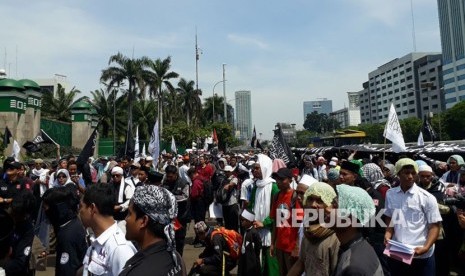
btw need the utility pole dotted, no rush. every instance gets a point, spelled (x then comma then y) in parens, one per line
(224, 94)
(196, 62)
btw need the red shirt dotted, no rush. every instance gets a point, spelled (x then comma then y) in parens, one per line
(206, 173)
(286, 236)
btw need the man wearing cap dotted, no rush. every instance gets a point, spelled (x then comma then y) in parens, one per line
(415, 221)
(180, 189)
(149, 161)
(149, 224)
(356, 255)
(132, 179)
(249, 262)
(284, 237)
(321, 168)
(320, 246)
(212, 261)
(37, 170)
(109, 250)
(10, 185)
(231, 205)
(122, 191)
(428, 181)
(350, 174)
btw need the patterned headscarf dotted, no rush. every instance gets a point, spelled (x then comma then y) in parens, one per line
(322, 190)
(160, 205)
(372, 172)
(356, 202)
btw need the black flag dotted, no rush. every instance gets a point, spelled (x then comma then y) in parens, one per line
(428, 131)
(6, 137)
(129, 144)
(255, 143)
(88, 149)
(279, 148)
(42, 137)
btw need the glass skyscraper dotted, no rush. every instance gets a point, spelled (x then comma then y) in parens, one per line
(244, 114)
(452, 27)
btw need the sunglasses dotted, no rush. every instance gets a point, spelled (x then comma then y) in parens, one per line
(116, 175)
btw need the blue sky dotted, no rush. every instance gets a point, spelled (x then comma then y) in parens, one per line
(285, 52)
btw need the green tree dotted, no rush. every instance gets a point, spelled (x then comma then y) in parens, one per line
(58, 106)
(191, 103)
(105, 104)
(410, 129)
(304, 138)
(145, 112)
(218, 102)
(374, 132)
(320, 123)
(127, 69)
(160, 77)
(454, 123)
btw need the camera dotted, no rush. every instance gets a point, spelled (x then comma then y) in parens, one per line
(457, 201)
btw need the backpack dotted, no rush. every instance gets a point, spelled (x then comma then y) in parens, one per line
(233, 239)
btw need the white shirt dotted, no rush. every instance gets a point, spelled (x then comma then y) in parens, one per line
(108, 253)
(413, 211)
(246, 189)
(183, 173)
(129, 191)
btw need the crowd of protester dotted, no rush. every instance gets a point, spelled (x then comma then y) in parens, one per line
(118, 216)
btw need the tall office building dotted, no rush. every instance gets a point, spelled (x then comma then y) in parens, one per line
(321, 106)
(244, 114)
(411, 83)
(349, 116)
(452, 28)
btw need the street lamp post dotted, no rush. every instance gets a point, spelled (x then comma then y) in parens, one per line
(213, 101)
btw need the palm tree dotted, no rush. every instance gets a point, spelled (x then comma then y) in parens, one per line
(160, 76)
(59, 106)
(145, 112)
(105, 106)
(213, 109)
(191, 103)
(127, 69)
(171, 106)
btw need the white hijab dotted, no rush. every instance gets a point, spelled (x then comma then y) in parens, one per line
(263, 196)
(68, 179)
(42, 179)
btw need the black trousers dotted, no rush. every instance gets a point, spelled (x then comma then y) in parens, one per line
(231, 217)
(198, 210)
(180, 237)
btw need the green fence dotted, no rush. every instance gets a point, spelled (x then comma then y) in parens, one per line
(58, 131)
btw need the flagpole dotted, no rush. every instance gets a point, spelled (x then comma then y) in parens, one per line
(384, 152)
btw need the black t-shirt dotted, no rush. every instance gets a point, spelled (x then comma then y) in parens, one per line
(154, 260)
(18, 263)
(357, 257)
(71, 248)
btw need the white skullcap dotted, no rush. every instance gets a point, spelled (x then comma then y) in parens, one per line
(248, 215)
(117, 170)
(332, 163)
(335, 159)
(149, 158)
(228, 168)
(425, 168)
(307, 180)
(251, 162)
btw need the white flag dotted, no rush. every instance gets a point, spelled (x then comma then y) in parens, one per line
(16, 150)
(143, 154)
(173, 145)
(393, 131)
(154, 145)
(420, 141)
(136, 143)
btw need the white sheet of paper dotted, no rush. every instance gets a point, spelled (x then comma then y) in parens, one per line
(215, 210)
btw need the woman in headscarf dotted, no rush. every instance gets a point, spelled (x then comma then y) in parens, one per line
(375, 176)
(451, 177)
(264, 190)
(63, 178)
(319, 248)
